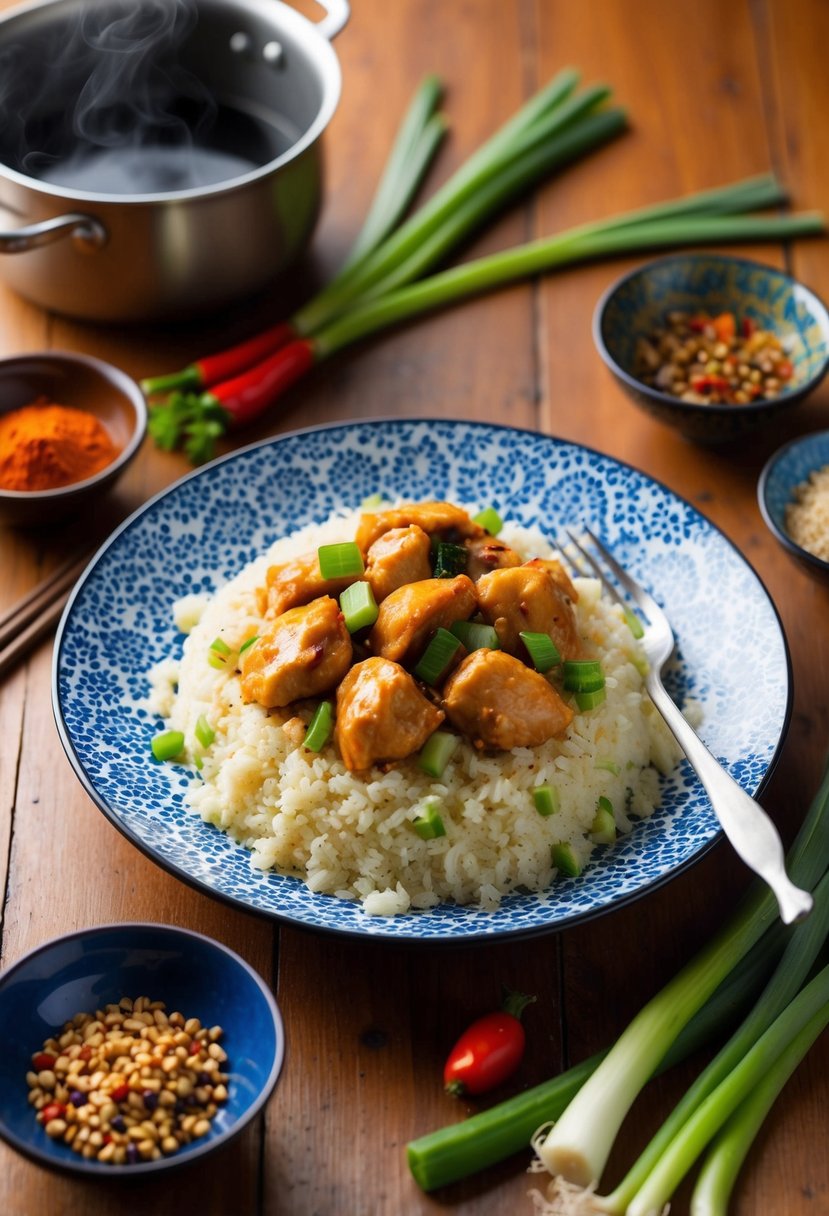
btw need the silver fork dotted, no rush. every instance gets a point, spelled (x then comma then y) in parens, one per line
(749, 829)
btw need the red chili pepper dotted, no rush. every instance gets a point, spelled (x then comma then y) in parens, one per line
(725, 326)
(53, 1110)
(249, 395)
(43, 1060)
(710, 384)
(120, 1093)
(489, 1051)
(699, 323)
(85, 1053)
(748, 327)
(214, 369)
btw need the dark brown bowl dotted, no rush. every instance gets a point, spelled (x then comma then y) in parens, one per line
(85, 383)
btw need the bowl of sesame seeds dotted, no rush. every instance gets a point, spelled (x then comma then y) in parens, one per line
(713, 345)
(136, 1048)
(793, 494)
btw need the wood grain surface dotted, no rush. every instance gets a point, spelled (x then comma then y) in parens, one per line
(714, 92)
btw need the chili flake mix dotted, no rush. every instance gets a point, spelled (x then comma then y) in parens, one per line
(713, 360)
(129, 1083)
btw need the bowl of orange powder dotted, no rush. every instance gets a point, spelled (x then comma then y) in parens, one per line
(69, 426)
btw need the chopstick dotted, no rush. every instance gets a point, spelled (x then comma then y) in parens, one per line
(31, 618)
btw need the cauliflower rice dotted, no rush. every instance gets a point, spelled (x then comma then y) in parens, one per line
(305, 814)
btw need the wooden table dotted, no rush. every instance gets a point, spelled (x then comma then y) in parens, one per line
(714, 93)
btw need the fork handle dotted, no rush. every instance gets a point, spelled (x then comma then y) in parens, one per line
(749, 829)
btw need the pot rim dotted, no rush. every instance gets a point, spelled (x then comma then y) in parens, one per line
(282, 16)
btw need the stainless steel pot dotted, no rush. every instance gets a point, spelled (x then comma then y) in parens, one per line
(167, 253)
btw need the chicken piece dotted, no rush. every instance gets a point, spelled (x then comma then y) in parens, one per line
(558, 574)
(411, 614)
(526, 598)
(430, 516)
(304, 652)
(381, 715)
(296, 582)
(486, 553)
(498, 702)
(399, 556)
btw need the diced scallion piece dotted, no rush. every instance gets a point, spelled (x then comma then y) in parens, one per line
(489, 520)
(429, 825)
(436, 658)
(248, 643)
(320, 727)
(590, 700)
(359, 606)
(450, 560)
(373, 501)
(218, 655)
(340, 561)
(546, 800)
(476, 636)
(633, 623)
(565, 860)
(436, 752)
(204, 732)
(608, 766)
(603, 827)
(541, 649)
(167, 745)
(583, 675)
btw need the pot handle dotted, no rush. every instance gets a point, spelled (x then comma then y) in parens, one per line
(338, 13)
(88, 233)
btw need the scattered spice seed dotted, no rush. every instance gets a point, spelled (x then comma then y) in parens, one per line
(128, 1083)
(807, 515)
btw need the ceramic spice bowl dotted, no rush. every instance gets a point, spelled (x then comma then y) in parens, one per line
(712, 283)
(86, 971)
(787, 469)
(79, 382)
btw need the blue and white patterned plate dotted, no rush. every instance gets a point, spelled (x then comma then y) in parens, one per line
(731, 654)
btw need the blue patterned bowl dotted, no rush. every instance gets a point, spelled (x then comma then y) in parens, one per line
(200, 532)
(712, 282)
(784, 471)
(191, 973)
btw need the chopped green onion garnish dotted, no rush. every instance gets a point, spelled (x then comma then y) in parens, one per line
(475, 636)
(359, 606)
(204, 732)
(546, 800)
(248, 643)
(590, 700)
(340, 561)
(633, 623)
(219, 654)
(489, 520)
(583, 675)
(167, 745)
(603, 827)
(436, 658)
(565, 860)
(373, 500)
(450, 560)
(541, 649)
(320, 727)
(609, 766)
(429, 824)
(436, 753)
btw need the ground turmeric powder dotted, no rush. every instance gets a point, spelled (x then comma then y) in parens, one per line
(44, 446)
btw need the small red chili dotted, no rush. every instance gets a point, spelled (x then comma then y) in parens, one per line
(42, 1061)
(120, 1093)
(489, 1051)
(85, 1053)
(53, 1110)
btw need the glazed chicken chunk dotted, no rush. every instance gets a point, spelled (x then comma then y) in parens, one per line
(303, 652)
(296, 582)
(499, 703)
(381, 715)
(411, 614)
(430, 516)
(399, 556)
(526, 598)
(485, 553)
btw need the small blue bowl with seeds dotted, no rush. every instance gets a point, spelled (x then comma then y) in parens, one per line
(793, 494)
(133, 1049)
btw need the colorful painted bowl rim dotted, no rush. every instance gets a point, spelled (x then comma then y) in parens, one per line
(785, 540)
(164, 1164)
(692, 407)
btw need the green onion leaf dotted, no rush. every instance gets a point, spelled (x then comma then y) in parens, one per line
(583, 675)
(436, 752)
(248, 643)
(476, 636)
(609, 766)
(603, 827)
(633, 623)
(541, 649)
(546, 800)
(320, 727)
(218, 655)
(429, 825)
(437, 657)
(204, 732)
(450, 560)
(359, 606)
(565, 860)
(340, 561)
(489, 520)
(167, 745)
(590, 700)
